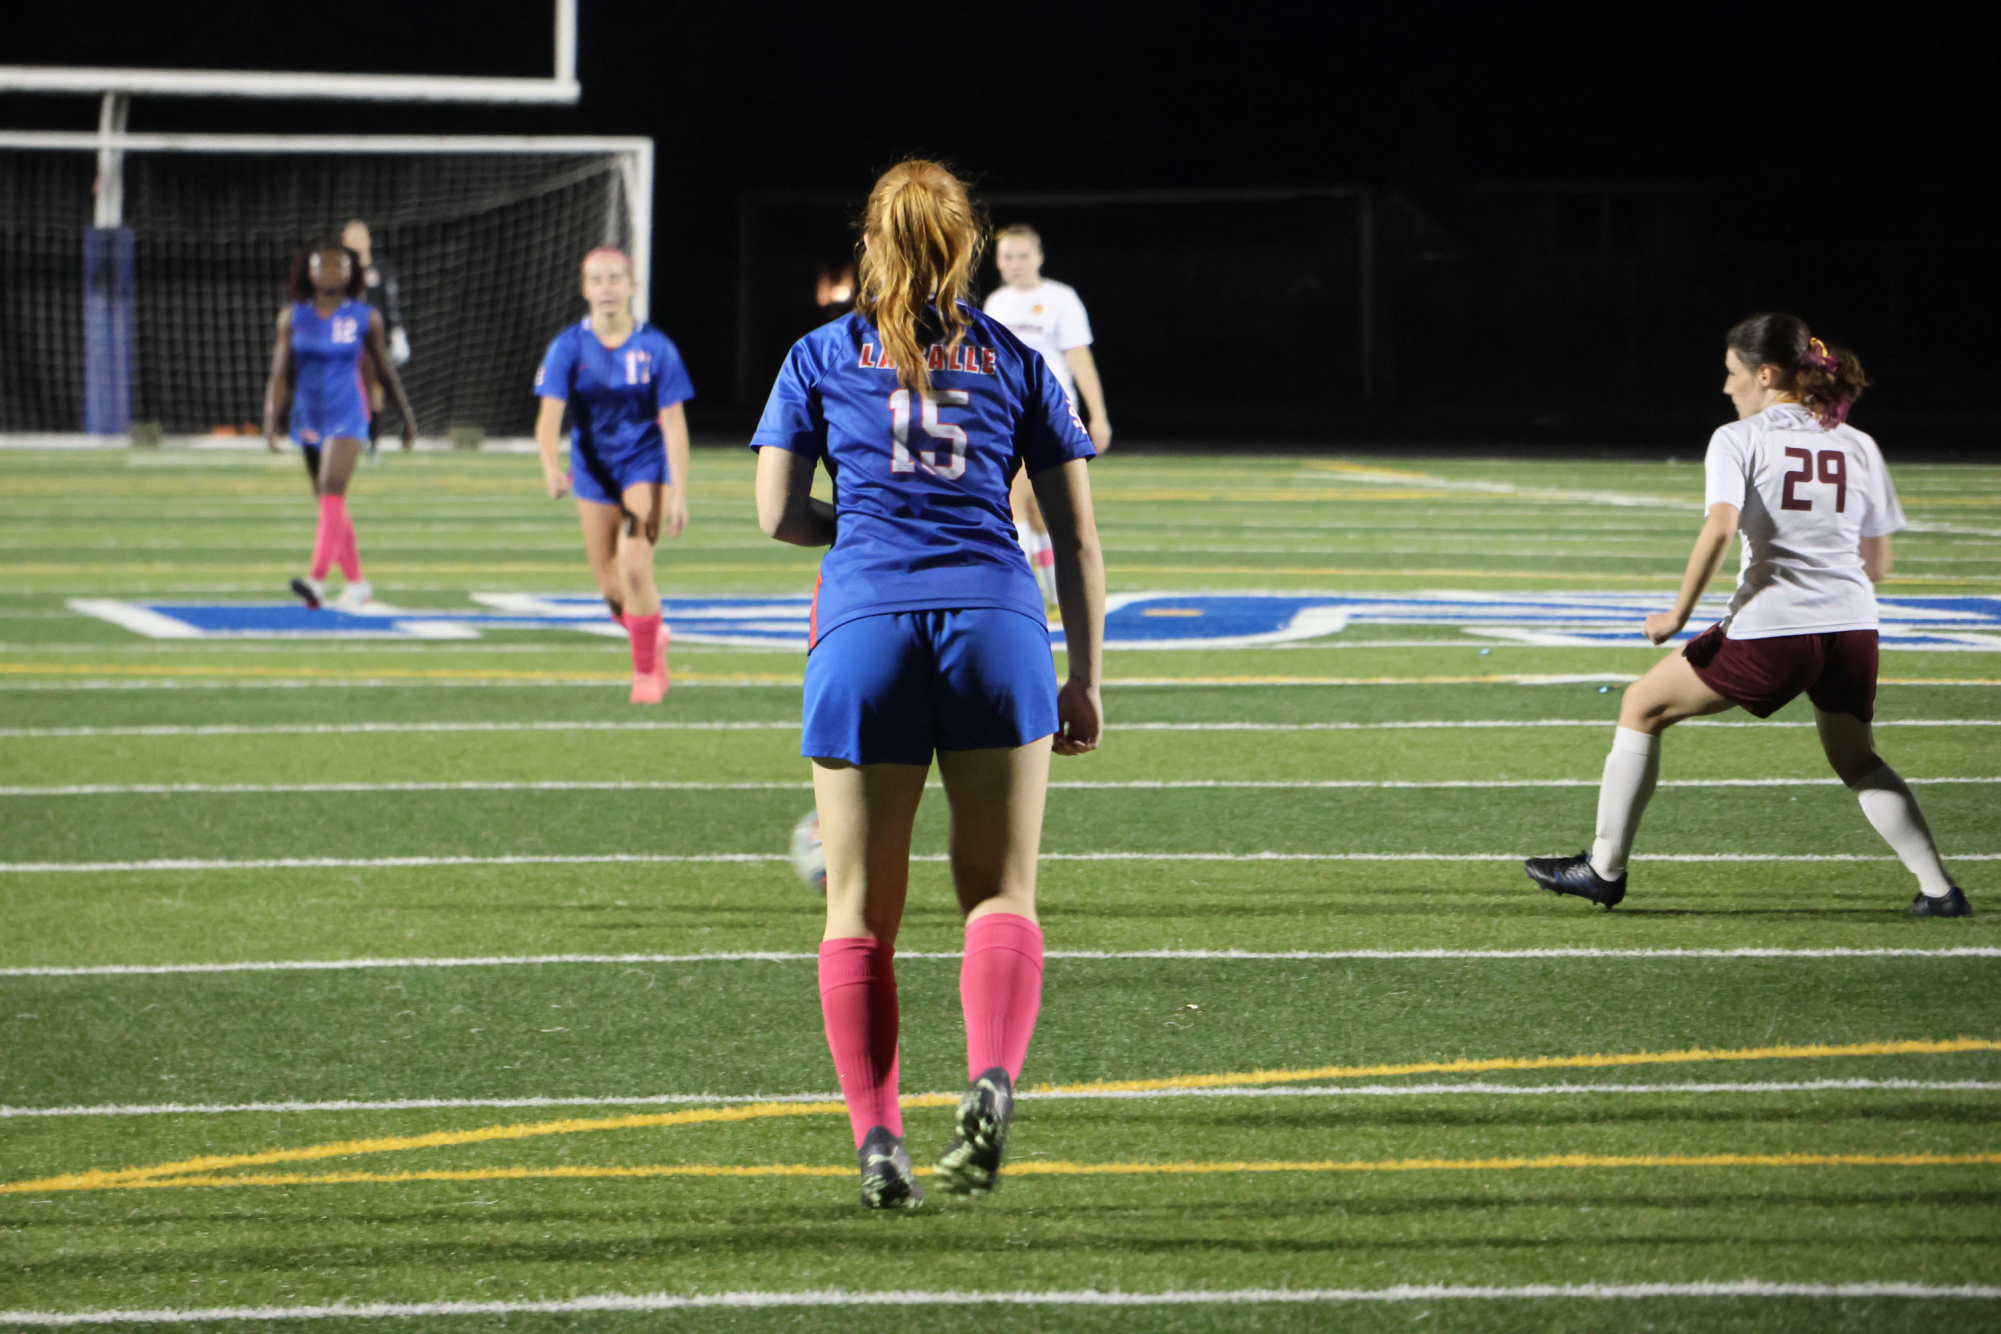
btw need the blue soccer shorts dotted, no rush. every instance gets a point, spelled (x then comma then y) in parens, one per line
(311, 433)
(890, 689)
(603, 481)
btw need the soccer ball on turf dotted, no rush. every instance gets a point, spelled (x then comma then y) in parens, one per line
(808, 859)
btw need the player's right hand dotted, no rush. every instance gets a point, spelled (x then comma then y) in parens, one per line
(1080, 719)
(556, 483)
(1662, 626)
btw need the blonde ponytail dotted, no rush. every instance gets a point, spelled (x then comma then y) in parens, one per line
(923, 236)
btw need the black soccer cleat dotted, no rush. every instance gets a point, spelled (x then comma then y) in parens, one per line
(887, 1181)
(971, 1163)
(306, 594)
(1952, 903)
(1573, 875)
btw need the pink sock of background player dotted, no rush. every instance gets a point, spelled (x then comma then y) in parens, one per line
(645, 632)
(334, 539)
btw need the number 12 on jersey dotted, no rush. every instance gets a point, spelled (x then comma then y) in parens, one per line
(899, 421)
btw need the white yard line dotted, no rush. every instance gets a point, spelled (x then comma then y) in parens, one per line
(328, 683)
(1251, 1091)
(782, 956)
(790, 725)
(834, 1297)
(666, 858)
(663, 785)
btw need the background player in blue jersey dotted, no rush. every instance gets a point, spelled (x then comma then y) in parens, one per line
(624, 384)
(928, 634)
(324, 337)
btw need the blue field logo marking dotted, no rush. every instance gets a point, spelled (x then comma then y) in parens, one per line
(1133, 620)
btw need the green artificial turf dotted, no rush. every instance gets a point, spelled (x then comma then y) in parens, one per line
(436, 528)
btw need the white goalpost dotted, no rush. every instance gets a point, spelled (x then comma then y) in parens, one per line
(561, 88)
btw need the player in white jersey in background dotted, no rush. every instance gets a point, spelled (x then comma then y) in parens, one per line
(1048, 316)
(1816, 507)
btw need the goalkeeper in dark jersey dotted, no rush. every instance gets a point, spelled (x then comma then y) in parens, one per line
(384, 298)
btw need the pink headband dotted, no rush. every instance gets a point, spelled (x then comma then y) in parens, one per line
(609, 250)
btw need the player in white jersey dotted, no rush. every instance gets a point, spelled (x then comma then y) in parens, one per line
(1814, 502)
(1049, 317)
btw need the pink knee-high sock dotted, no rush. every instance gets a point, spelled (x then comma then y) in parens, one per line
(1000, 988)
(645, 632)
(858, 1003)
(348, 557)
(332, 536)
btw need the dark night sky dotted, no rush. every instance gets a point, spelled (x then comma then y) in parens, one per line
(1844, 112)
(1131, 95)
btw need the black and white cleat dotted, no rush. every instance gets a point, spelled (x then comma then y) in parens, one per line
(887, 1181)
(307, 593)
(1573, 875)
(1952, 903)
(971, 1163)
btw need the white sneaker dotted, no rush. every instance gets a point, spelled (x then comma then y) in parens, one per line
(355, 596)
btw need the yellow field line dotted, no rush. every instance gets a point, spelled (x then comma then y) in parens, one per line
(98, 1179)
(1275, 495)
(388, 567)
(1117, 566)
(93, 1180)
(1788, 1052)
(362, 673)
(1059, 1168)
(1367, 470)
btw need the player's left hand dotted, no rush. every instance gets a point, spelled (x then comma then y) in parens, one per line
(409, 436)
(674, 517)
(1080, 719)
(1662, 626)
(1101, 434)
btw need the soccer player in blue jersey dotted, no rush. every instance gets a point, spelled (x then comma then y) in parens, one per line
(324, 338)
(624, 385)
(928, 634)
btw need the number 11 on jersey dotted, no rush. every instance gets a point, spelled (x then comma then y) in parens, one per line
(899, 421)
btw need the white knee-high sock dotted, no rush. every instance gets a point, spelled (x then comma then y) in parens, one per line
(1894, 811)
(1630, 771)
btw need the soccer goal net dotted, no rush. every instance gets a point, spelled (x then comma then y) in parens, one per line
(482, 236)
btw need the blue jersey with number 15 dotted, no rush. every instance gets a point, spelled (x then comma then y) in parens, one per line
(923, 521)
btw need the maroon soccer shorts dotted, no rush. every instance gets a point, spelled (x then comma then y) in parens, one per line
(1761, 676)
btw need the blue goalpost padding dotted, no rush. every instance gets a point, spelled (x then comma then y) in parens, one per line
(107, 330)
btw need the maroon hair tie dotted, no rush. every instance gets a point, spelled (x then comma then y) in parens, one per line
(1819, 357)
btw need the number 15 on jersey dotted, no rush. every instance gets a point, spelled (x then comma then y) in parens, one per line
(899, 420)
